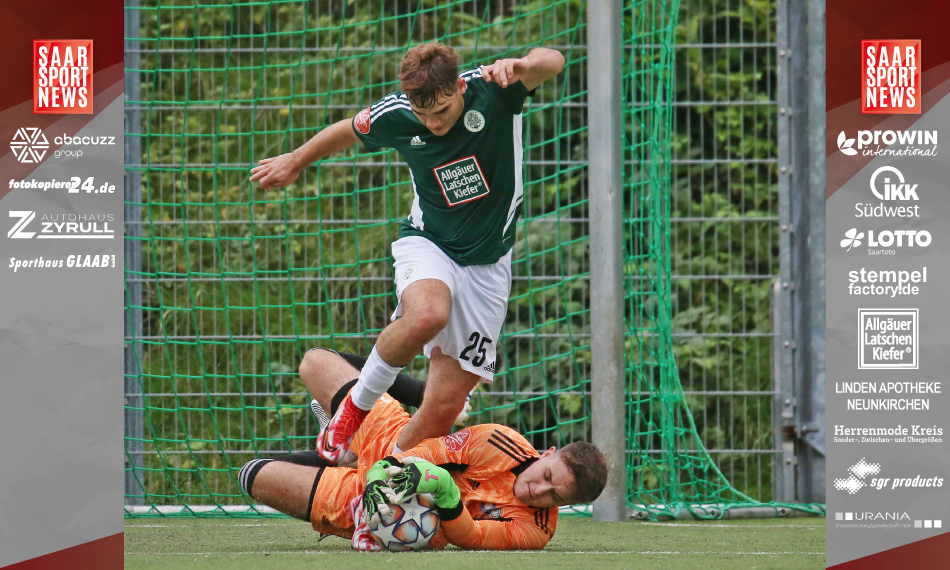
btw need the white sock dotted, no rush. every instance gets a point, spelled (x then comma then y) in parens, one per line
(375, 378)
(396, 449)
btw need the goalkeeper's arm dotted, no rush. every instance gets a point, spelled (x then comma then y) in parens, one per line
(460, 529)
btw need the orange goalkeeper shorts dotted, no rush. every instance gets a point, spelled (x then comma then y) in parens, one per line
(338, 485)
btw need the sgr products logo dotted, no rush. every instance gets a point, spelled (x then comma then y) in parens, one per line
(62, 226)
(883, 242)
(859, 472)
(888, 338)
(889, 143)
(29, 145)
(890, 76)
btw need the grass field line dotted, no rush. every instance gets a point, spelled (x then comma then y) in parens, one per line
(443, 552)
(710, 525)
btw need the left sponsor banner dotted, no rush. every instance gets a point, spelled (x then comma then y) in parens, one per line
(61, 267)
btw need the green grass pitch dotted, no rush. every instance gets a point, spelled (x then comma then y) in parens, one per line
(252, 544)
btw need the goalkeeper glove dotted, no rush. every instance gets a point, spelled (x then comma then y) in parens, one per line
(421, 476)
(377, 495)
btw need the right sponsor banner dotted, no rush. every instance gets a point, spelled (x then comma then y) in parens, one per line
(888, 309)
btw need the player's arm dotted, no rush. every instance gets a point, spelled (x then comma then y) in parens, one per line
(421, 476)
(533, 69)
(465, 532)
(283, 170)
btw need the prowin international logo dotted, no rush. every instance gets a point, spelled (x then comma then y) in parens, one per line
(29, 145)
(845, 144)
(889, 143)
(62, 226)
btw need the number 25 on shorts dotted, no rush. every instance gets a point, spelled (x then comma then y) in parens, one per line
(478, 343)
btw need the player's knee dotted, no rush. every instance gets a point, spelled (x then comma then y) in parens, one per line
(313, 362)
(427, 322)
(442, 412)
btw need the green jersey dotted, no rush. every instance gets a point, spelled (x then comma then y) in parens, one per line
(467, 183)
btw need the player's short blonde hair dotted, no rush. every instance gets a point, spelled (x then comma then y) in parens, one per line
(428, 71)
(589, 468)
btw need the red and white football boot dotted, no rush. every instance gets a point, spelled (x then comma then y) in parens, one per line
(334, 441)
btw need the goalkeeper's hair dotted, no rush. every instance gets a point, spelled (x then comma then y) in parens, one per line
(428, 71)
(587, 464)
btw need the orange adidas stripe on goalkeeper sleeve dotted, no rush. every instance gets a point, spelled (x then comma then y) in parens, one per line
(488, 534)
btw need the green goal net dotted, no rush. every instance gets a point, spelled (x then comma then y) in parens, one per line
(228, 284)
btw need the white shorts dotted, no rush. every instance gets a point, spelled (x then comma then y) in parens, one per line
(479, 301)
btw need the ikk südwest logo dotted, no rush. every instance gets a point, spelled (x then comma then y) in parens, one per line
(890, 78)
(62, 77)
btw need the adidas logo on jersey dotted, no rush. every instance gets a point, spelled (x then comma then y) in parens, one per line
(490, 368)
(416, 141)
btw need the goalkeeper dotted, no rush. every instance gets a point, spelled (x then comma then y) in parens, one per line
(461, 135)
(492, 489)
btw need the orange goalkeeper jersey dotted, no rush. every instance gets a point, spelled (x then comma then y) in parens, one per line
(484, 461)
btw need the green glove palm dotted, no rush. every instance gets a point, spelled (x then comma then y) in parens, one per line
(377, 495)
(420, 476)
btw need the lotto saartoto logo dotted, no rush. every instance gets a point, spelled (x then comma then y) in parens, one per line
(29, 145)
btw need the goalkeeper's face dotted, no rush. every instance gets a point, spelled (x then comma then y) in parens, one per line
(548, 482)
(442, 115)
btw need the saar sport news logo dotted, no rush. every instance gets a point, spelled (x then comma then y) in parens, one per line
(858, 473)
(62, 77)
(30, 145)
(890, 77)
(889, 143)
(61, 226)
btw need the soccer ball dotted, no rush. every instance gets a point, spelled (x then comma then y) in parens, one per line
(411, 525)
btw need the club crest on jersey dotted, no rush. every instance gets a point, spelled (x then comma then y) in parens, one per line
(461, 181)
(474, 121)
(491, 510)
(362, 121)
(456, 441)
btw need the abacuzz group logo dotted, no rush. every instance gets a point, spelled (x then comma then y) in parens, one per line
(29, 145)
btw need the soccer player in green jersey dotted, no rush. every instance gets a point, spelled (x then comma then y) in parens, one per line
(461, 136)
